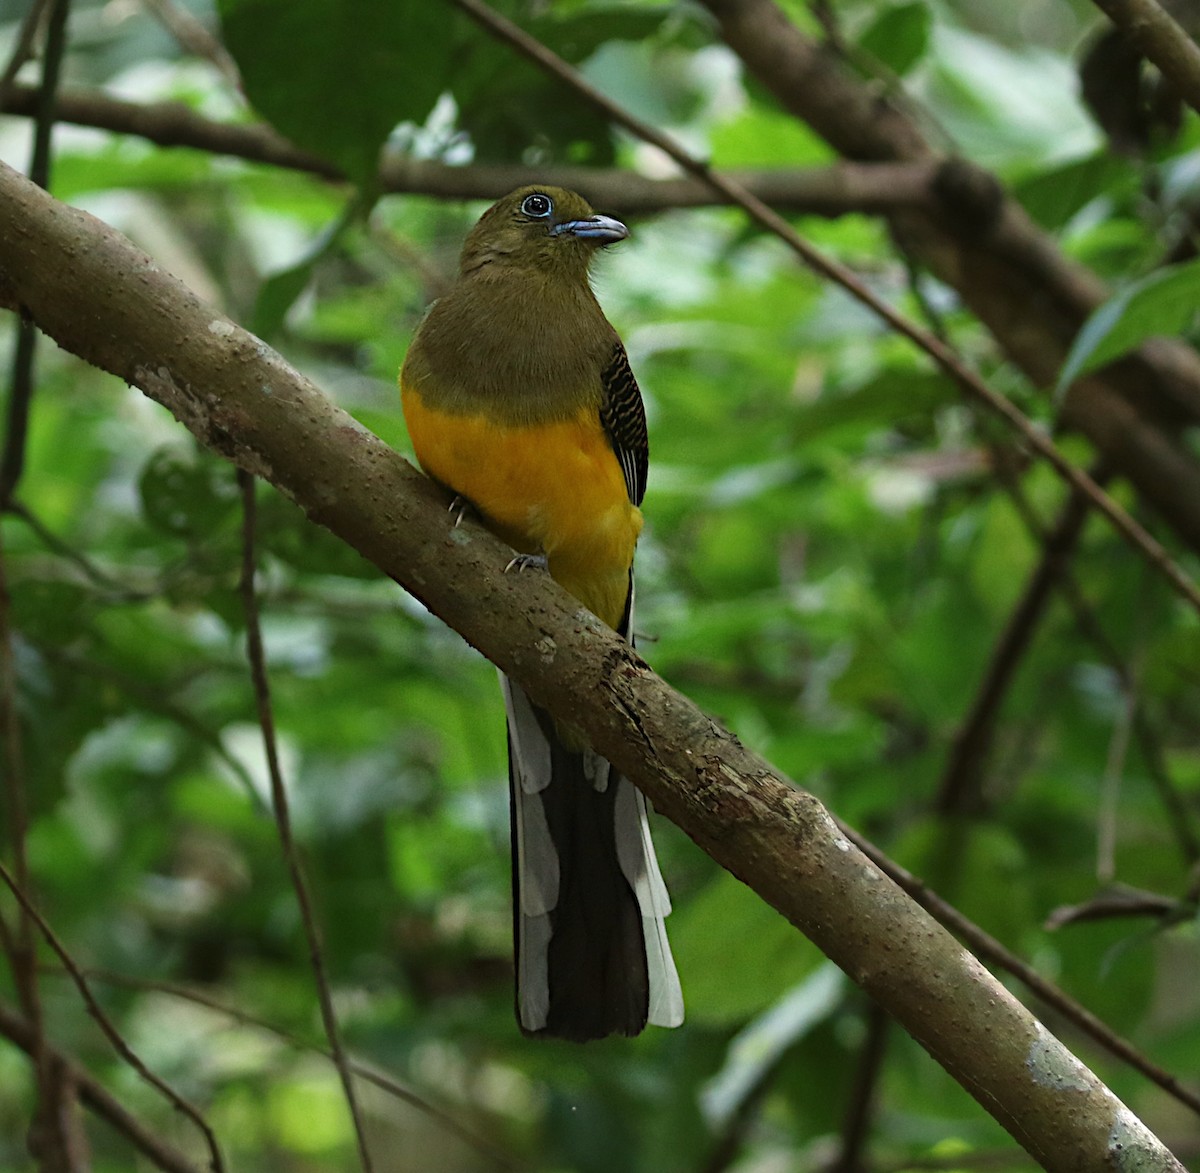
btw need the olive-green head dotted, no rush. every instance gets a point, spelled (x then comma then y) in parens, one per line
(548, 229)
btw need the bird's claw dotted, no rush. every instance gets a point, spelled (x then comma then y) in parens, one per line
(460, 507)
(527, 562)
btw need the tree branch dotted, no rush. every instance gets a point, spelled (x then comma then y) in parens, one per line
(485, 1148)
(1155, 32)
(94, 1095)
(987, 947)
(109, 1030)
(960, 788)
(94, 293)
(1012, 276)
(54, 1138)
(835, 190)
(856, 1125)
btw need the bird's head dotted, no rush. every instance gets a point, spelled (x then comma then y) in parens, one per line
(548, 229)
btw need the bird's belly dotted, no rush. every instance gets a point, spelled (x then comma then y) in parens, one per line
(553, 488)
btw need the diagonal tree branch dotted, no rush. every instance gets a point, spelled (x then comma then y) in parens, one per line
(94, 293)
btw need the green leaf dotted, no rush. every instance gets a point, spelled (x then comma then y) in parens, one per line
(279, 291)
(1162, 303)
(511, 109)
(336, 76)
(1054, 194)
(286, 533)
(772, 956)
(764, 1041)
(893, 395)
(186, 494)
(900, 37)
(278, 294)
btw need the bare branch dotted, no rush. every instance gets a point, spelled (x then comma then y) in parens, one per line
(107, 1027)
(95, 1096)
(1156, 33)
(380, 1079)
(820, 191)
(959, 788)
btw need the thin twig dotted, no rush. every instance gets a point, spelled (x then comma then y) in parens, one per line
(912, 275)
(23, 50)
(158, 700)
(1127, 526)
(283, 819)
(856, 1127)
(1110, 785)
(107, 1026)
(100, 1100)
(21, 946)
(119, 591)
(1179, 813)
(959, 788)
(12, 462)
(195, 38)
(985, 946)
(1121, 902)
(52, 1135)
(825, 16)
(381, 1080)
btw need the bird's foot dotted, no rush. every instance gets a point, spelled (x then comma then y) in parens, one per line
(527, 562)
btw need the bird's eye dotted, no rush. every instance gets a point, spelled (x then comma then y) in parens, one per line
(537, 205)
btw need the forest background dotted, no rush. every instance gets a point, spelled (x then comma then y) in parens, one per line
(851, 562)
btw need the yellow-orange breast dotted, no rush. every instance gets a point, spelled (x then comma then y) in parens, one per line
(554, 488)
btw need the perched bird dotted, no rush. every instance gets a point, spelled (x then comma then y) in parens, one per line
(518, 398)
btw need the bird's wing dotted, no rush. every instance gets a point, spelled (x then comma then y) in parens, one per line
(624, 420)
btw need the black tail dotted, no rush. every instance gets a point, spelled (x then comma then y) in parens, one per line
(588, 900)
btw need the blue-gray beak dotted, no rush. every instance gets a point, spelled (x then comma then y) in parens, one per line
(601, 229)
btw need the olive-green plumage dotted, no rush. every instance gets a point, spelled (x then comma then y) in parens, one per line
(519, 397)
(521, 335)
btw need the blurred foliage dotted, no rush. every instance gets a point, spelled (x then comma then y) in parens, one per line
(829, 562)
